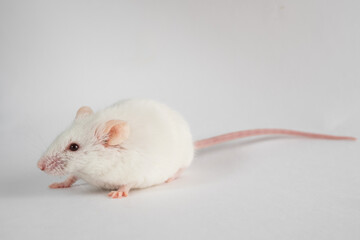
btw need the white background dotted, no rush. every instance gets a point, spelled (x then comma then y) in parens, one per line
(226, 66)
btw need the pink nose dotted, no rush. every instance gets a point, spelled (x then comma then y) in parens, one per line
(41, 165)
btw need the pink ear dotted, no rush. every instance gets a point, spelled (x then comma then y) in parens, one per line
(83, 112)
(117, 131)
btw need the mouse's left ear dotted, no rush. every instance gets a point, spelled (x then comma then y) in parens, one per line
(83, 112)
(115, 132)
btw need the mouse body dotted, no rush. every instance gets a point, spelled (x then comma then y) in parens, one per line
(133, 144)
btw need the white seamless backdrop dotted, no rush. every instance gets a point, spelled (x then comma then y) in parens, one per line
(226, 66)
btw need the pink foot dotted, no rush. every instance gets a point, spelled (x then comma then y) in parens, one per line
(176, 175)
(66, 184)
(123, 191)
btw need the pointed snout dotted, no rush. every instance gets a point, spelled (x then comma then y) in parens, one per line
(41, 164)
(52, 165)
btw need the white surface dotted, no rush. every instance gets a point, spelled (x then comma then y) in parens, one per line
(225, 65)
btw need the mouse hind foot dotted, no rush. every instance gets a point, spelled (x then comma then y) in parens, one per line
(176, 175)
(123, 191)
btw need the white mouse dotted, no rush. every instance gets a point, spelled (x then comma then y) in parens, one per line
(132, 144)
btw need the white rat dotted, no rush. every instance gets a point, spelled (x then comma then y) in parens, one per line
(132, 144)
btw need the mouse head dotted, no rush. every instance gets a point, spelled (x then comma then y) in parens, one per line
(85, 144)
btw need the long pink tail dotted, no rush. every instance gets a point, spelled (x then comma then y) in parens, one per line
(255, 132)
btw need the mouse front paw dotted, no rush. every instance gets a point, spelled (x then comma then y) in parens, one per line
(59, 185)
(66, 184)
(123, 191)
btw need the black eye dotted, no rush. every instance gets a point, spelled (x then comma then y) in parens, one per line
(73, 147)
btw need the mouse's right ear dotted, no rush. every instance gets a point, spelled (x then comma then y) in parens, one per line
(113, 132)
(83, 112)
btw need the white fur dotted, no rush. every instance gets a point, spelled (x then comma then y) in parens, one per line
(159, 144)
